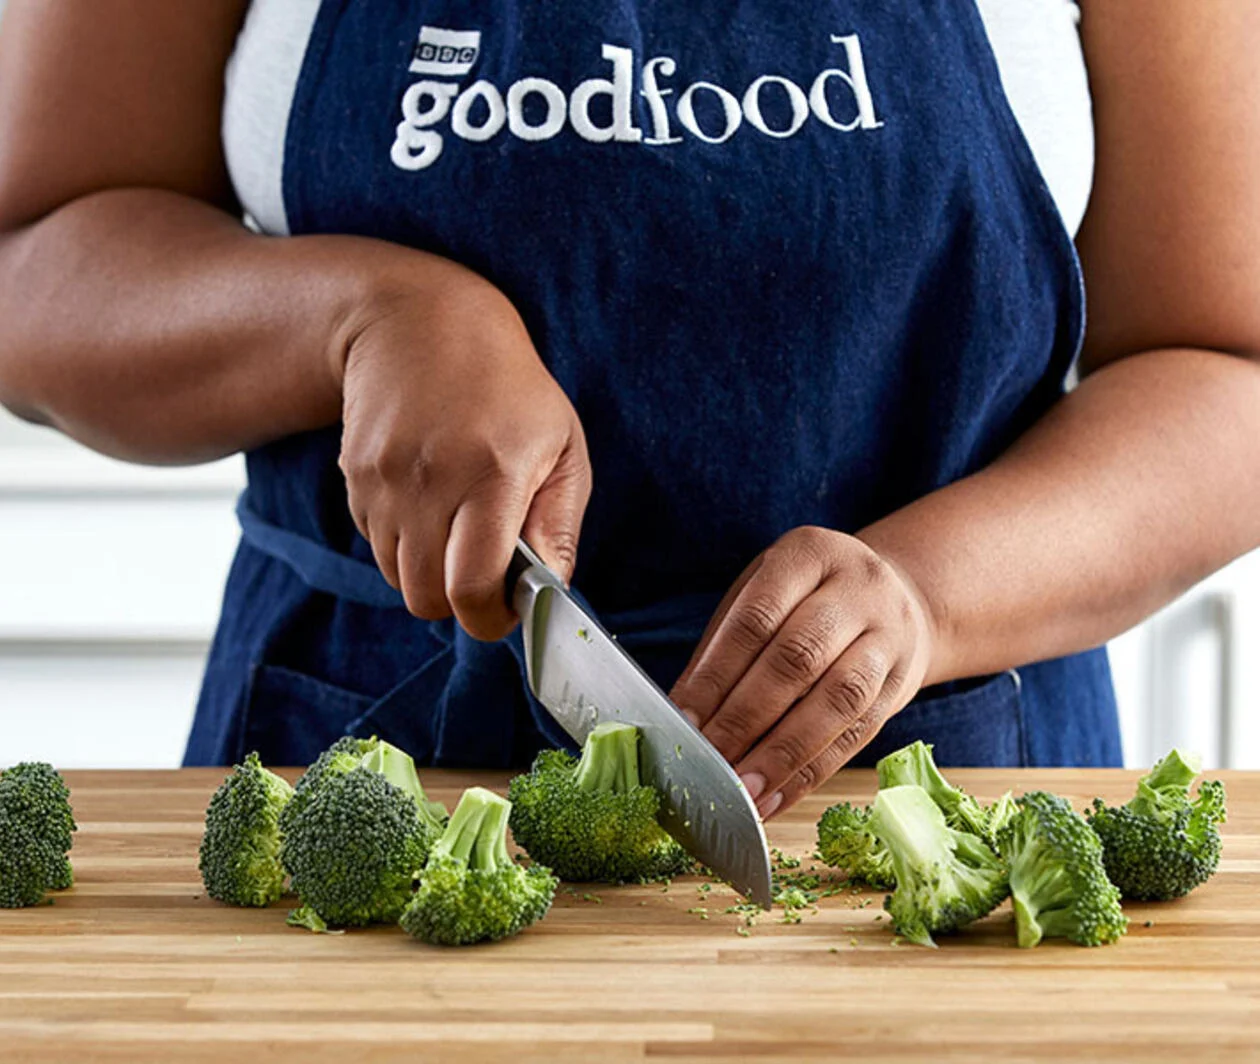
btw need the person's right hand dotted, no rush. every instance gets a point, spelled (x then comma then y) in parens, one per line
(456, 441)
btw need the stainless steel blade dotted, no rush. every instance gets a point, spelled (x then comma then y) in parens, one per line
(577, 670)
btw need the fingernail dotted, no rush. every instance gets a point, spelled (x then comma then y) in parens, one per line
(767, 808)
(754, 783)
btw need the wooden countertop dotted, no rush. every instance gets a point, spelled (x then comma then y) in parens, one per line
(135, 963)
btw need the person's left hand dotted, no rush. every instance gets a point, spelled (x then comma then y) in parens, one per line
(814, 647)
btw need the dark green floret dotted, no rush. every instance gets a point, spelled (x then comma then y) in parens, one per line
(471, 890)
(1163, 843)
(914, 764)
(359, 835)
(592, 820)
(845, 842)
(1059, 887)
(945, 878)
(36, 831)
(240, 848)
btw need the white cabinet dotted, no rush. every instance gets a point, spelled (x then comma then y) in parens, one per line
(110, 579)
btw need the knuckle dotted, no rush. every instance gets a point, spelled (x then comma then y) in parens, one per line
(852, 691)
(727, 732)
(787, 753)
(754, 623)
(799, 655)
(471, 591)
(703, 687)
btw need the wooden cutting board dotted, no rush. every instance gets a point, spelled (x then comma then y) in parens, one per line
(135, 963)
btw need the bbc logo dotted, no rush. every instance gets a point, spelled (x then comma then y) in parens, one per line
(445, 53)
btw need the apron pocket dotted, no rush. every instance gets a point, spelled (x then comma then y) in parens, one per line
(981, 725)
(294, 717)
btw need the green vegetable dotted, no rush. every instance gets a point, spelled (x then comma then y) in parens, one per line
(1059, 887)
(311, 920)
(240, 849)
(360, 832)
(1162, 843)
(845, 842)
(36, 832)
(592, 819)
(471, 890)
(945, 878)
(914, 764)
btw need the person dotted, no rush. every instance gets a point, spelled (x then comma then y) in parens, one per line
(769, 307)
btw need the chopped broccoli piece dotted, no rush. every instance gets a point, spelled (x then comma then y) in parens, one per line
(311, 920)
(1162, 843)
(945, 878)
(845, 842)
(240, 849)
(36, 832)
(592, 820)
(470, 889)
(998, 815)
(1059, 887)
(915, 764)
(346, 753)
(356, 840)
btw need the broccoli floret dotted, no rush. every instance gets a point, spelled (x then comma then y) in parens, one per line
(36, 832)
(914, 764)
(1163, 844)
(471, 890)
(945, 878)
(346, 753)
(998, 815)
(592, 819)
(845, 842)
(308, 918)
(240, 849)
(1059, 887)
(356, 840)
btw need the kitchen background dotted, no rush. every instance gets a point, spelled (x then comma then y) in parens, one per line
(109, 586)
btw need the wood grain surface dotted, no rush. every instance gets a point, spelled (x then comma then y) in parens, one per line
(135, 963)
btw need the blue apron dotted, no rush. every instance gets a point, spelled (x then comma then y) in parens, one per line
(792, 263)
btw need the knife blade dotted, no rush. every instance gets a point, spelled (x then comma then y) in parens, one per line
(583, 677)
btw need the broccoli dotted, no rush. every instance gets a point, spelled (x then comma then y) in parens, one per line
(945, 878)
(1059, 887)
(470, 889)
(915, 764)
(240, 849)
(353, 845)
(36, 832)
(845, 842)
(591, 819)
(1163, 844)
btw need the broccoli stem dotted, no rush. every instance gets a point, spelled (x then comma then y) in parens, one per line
(1044, 892)
(912, 827)
(610, 759)
(1167, 784)
(399, 768)
(477, 831)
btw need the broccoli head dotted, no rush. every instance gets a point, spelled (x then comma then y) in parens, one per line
(945, 878)
(36, 832)
(845, 842)
(592, 819)
(357, 839)
(1059, 887)
(240, 849)
(471, 890)
(1162, 843)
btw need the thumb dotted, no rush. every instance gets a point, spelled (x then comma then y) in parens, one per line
(554, 520)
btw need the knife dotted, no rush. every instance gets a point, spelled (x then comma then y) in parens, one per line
(583, 678)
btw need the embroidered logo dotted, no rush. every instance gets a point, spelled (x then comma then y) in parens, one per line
(445, 53)
(537, 109)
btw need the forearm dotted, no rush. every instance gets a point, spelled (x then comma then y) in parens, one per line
(156, 328)
(1142, 481)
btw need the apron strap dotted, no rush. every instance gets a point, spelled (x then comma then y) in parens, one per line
(319, 566)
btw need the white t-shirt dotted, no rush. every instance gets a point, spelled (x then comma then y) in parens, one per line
(1036, 43)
